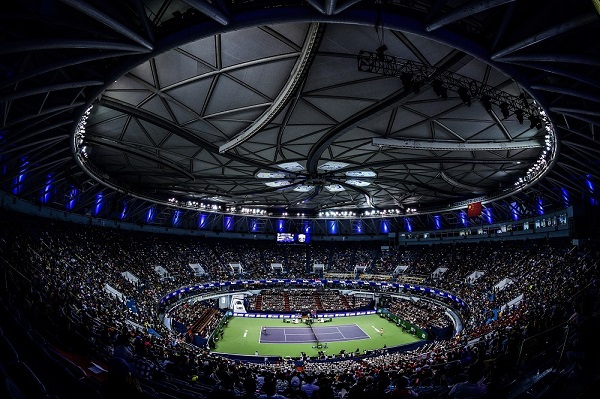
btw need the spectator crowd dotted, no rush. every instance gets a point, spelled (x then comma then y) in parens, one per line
(99, 285)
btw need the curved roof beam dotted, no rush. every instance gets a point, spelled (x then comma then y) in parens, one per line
(580, 147)
(546, 34)
(572, 111)
(43, 114)
(580, 116)
(311, 194)
(567, 91)
(87, 9)
(345, 6)
(374, 110)
(49, 88)
(209, 10)
(582, 172)
(548, 57)
(155, 120)
(346, 185)
(218, 193)
(31, 133)
(316, 5)
(330, 7)
(40, 170)
(584, 78)
(455, 146)
(298, 72)
(350, 123)
(34, 145)
(460, 185)
(19, 46)
(582, 163)
(445, 160)
(414, 183)
(115, 145)
(165, 124)
(465, 11)
(67, 62)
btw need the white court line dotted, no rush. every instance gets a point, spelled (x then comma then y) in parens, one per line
(346, 339)
(285, 330)
(376, 329)
(300, 333)
(332, 327)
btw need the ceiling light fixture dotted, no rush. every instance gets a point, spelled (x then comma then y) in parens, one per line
(519, 115)
(486, 102)
(464, 95)
(439, 89)
(504, 109)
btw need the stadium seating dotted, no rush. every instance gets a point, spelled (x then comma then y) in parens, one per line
(44, 318)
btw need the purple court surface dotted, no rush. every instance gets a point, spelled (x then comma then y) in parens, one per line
(303, 335)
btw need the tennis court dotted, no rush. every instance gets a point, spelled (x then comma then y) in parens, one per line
(246, 336)
(302, 335)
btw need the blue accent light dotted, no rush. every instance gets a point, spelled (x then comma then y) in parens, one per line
(18, 181)
(202, 220)
(565, 196)
(280, 226)
(408, 224)
(150, 214)
(306, 227)
(332, 226)
(591, 188)
(463, 218)
(47, 190)
(254, 226)
(98, 204)
(488, 215)
(437, 222)
(358, 227)
(540, 206)
(176, 217)
(228, 223)
(514, 210)
(124, 211)
(2, 156)
(385, 226)
(72, 198)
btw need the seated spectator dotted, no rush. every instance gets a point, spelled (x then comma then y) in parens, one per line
(309, 386)
(401, 389)
(224, 388)
(294, 391)
(270, 390)
(250, 388)
(474, 387)
(120, 382)
(584, 349)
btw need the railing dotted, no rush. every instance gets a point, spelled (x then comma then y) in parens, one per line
(409, 279)
(375, 277)
(543, 338)
(218, 328)
(537, 343)
(15, 270)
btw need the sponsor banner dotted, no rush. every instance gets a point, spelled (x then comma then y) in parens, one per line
(298, 315)
(409, 287)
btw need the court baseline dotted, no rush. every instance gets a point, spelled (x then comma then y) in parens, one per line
(279, 335)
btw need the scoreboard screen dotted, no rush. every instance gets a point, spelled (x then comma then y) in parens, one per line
(293, 238)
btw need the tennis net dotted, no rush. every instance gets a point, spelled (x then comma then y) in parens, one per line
(310, 322)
